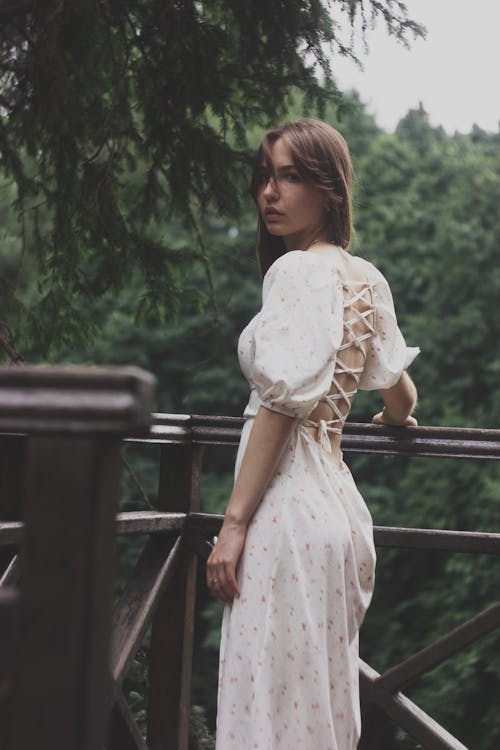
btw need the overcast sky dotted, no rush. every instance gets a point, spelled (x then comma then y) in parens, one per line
(454, 72)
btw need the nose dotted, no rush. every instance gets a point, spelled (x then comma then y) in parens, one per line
(271, 187)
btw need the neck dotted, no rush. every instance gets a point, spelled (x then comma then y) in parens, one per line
(325, 244)
(305, 240)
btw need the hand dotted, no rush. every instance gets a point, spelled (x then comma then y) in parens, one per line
(383, 418)
(223, 560)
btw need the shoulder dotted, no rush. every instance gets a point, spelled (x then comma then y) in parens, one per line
(301, 266)
(369, 269)
(300, 271)
(372, 274)
(295, 261)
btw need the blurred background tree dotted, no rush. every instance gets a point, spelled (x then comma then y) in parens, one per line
(117, 115)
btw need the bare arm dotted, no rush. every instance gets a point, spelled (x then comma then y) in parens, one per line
(266, 443)
(399, 402)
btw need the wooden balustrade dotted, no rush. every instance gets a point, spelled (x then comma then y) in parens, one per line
(56, 585)
(63, 480)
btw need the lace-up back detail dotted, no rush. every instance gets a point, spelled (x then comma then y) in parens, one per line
(358, 330)
(319, 338)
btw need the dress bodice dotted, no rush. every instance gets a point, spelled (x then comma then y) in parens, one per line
(318, 338)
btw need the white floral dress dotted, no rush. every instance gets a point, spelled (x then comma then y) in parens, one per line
(288, 675)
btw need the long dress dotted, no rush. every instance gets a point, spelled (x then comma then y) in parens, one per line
(288, 673)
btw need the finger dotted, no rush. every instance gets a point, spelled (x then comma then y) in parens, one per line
(226, 592)
(230, 585)
(210, 574)
(212, 567)
(222, 587)
(216, 581)
(219, 594)
(232, 581)
(225, 597)
(212, 580)
(222, 593)
(410, 421)
(221, 580)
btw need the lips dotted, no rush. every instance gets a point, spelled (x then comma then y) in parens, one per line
(272, 213)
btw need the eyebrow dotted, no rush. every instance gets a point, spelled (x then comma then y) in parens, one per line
(280, 169)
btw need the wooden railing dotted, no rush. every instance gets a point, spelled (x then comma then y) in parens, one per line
(56, 691)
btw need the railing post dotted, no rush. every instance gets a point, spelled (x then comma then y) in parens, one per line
(377, 730)
(74, 419)
(173, 623)
(12, 450)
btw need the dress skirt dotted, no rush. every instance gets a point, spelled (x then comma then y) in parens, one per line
(288, 674)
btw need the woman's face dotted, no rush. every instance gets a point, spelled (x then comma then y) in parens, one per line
(290, 207)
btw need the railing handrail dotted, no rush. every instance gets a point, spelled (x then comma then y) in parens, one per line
(357, 437)
(208, 524)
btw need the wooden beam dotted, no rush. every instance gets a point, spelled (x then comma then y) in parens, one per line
(72, 471)
(76, 400)
(12, 452)
(155, 568)
(445, 442)
(141, 522)
(67, 562)
(437, 539)
(173, 623)
(203, 526)
(9, 643)
(401, 675)
(419, 725)
(124, 733)
(148, 522)
(12, 572)
(11, 533)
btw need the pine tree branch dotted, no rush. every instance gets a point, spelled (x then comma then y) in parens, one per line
(119, 115)
(14, 357)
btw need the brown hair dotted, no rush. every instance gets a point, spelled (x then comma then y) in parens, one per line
(321, 157)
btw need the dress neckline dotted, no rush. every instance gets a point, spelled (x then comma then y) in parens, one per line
(333, 252)
(344, 281)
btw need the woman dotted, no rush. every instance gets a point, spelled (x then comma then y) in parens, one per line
(294, 561)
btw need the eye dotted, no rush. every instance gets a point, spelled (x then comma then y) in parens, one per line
(292, 177)
(262, 178)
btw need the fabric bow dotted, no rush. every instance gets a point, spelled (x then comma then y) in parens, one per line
(323, 436)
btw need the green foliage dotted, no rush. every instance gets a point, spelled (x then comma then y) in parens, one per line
(200, 736)
(117, 115)
(426, 213)
(426, 216)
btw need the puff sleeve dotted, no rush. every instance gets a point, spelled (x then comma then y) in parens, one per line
(387, 356)
(297, 334)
